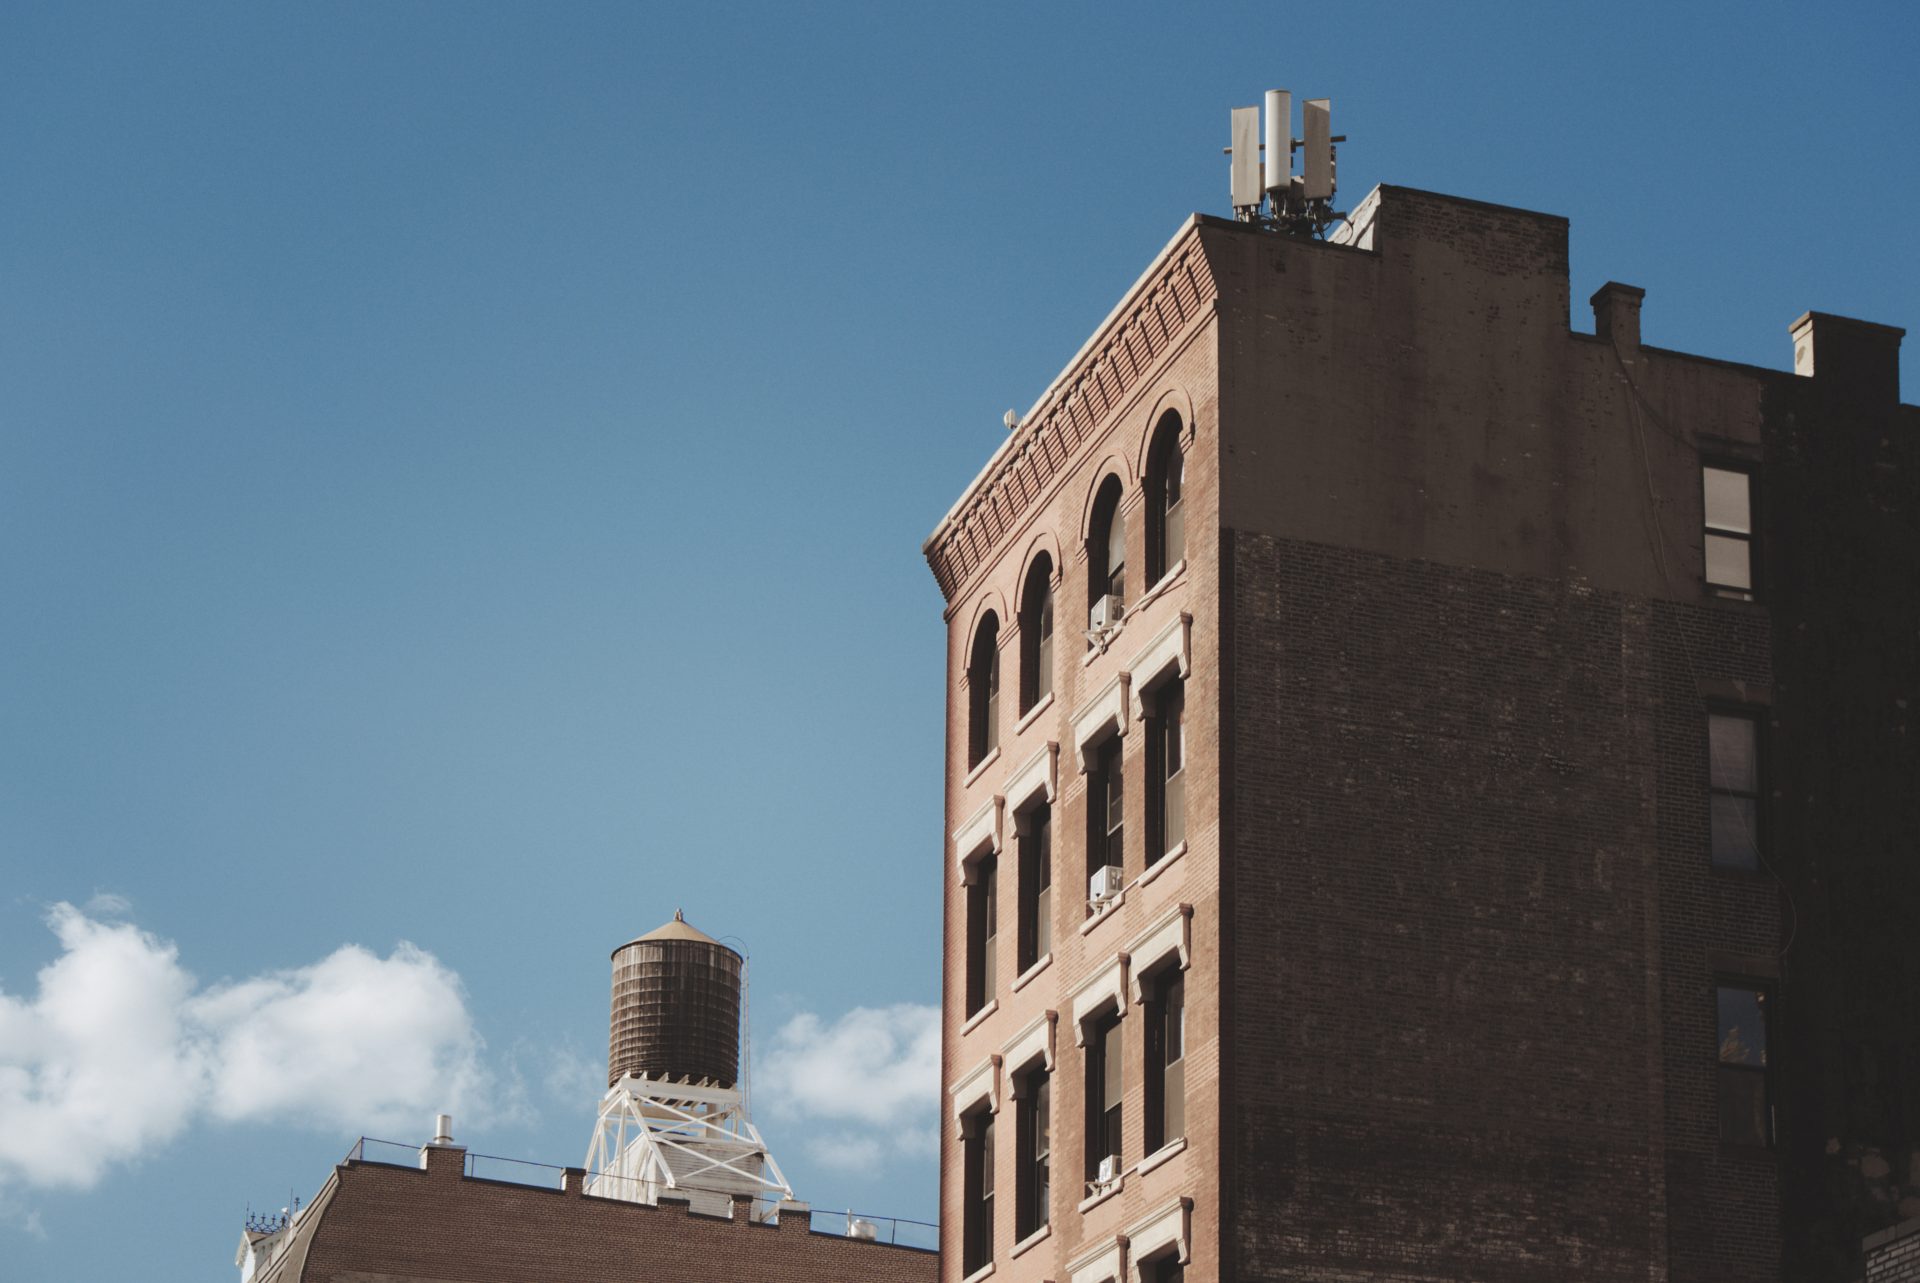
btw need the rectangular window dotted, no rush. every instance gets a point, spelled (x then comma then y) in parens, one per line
(976, 1248)
(1746, 1106)
(1166, 771)
(1729, 530)
(1036, 886)
(1106, 809)
(1166, 1060)
(1733, 775)
(983, 913)
(1033, 1186)
(1106, 1088)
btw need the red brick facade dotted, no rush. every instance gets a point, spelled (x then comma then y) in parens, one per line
(1455, 935)
(421, 1225)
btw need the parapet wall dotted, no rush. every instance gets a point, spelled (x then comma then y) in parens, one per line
(412, 1225)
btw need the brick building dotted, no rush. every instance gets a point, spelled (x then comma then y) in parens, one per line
(680, 1187)
(431, 1222)
(1430, 792)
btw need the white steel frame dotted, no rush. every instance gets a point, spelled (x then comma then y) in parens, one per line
(657, 1138)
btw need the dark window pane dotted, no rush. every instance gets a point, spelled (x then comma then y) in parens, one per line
(1733, 752)
(1043, 650)
(1176, 518)
(1117, 554)
(1744, 1116)
(1743, 1026)
(1734, 837)
(986, 1157)
(989, 950)
(1176, 1103)
(993, 701)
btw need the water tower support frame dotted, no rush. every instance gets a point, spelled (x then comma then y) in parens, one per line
(659, 1138)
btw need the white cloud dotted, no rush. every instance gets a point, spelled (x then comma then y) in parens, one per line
(117, 1052)
(875, 1072)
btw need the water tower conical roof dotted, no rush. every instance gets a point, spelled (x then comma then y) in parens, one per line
(678, 929)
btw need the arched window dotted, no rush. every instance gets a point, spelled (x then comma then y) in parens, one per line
(1107, 551)
(1166, 517)
(1036, 633)
(983, 692)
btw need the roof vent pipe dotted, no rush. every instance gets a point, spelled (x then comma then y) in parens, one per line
(443, 1129)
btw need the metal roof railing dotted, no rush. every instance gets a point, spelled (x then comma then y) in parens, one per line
(900, 1231)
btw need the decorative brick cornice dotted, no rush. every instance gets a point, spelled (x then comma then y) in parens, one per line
(1148, 323)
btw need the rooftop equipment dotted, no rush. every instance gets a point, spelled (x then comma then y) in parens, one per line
(676, 1008)
(1265, 190)
(673, 1120)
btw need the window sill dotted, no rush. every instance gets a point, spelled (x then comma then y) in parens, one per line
(1738, 598)
(1166, 584)
(979, 1274)
(1730, 873)
(1166, 1153)
(1160, 865)
(1100, 1196)
(1108, 910)
(1026, 977)
(1032, 1240)
(979, 1017)
(981, 767)
(1747, 1153)
(1032, 715)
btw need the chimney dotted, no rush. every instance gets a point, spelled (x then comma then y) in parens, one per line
(1616, 315)
(1857, 357)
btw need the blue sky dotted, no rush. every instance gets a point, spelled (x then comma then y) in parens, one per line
(462, 475)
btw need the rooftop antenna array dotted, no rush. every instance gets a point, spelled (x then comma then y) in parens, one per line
(1265, 190)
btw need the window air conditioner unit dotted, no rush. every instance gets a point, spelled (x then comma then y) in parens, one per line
(1109, 1171)
(1105, 884)
(1106, 613)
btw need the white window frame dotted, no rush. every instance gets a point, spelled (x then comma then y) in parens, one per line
(982, 1082)
(1150, 1238)
(1170, 937)
(983, 833)
(1103, 1263)
(1170, 651)
(1035, 1042)
(1104, 989)
(1103, 715)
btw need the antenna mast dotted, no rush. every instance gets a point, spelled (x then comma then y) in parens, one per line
(1265, 190)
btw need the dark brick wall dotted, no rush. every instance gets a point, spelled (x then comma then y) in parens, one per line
(1446, 1057)
(1723, 1202)
(1841, 489)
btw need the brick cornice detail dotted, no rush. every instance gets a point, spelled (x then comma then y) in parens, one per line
(1146, 326)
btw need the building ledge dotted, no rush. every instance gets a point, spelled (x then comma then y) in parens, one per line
(1031, 1241)
(1162, 864)
(1102, 1194)
(1165, 1154)
(1026, 977)
(979, 1017)
(1032, 715)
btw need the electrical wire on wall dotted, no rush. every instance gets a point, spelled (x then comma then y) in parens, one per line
(1640, 409)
